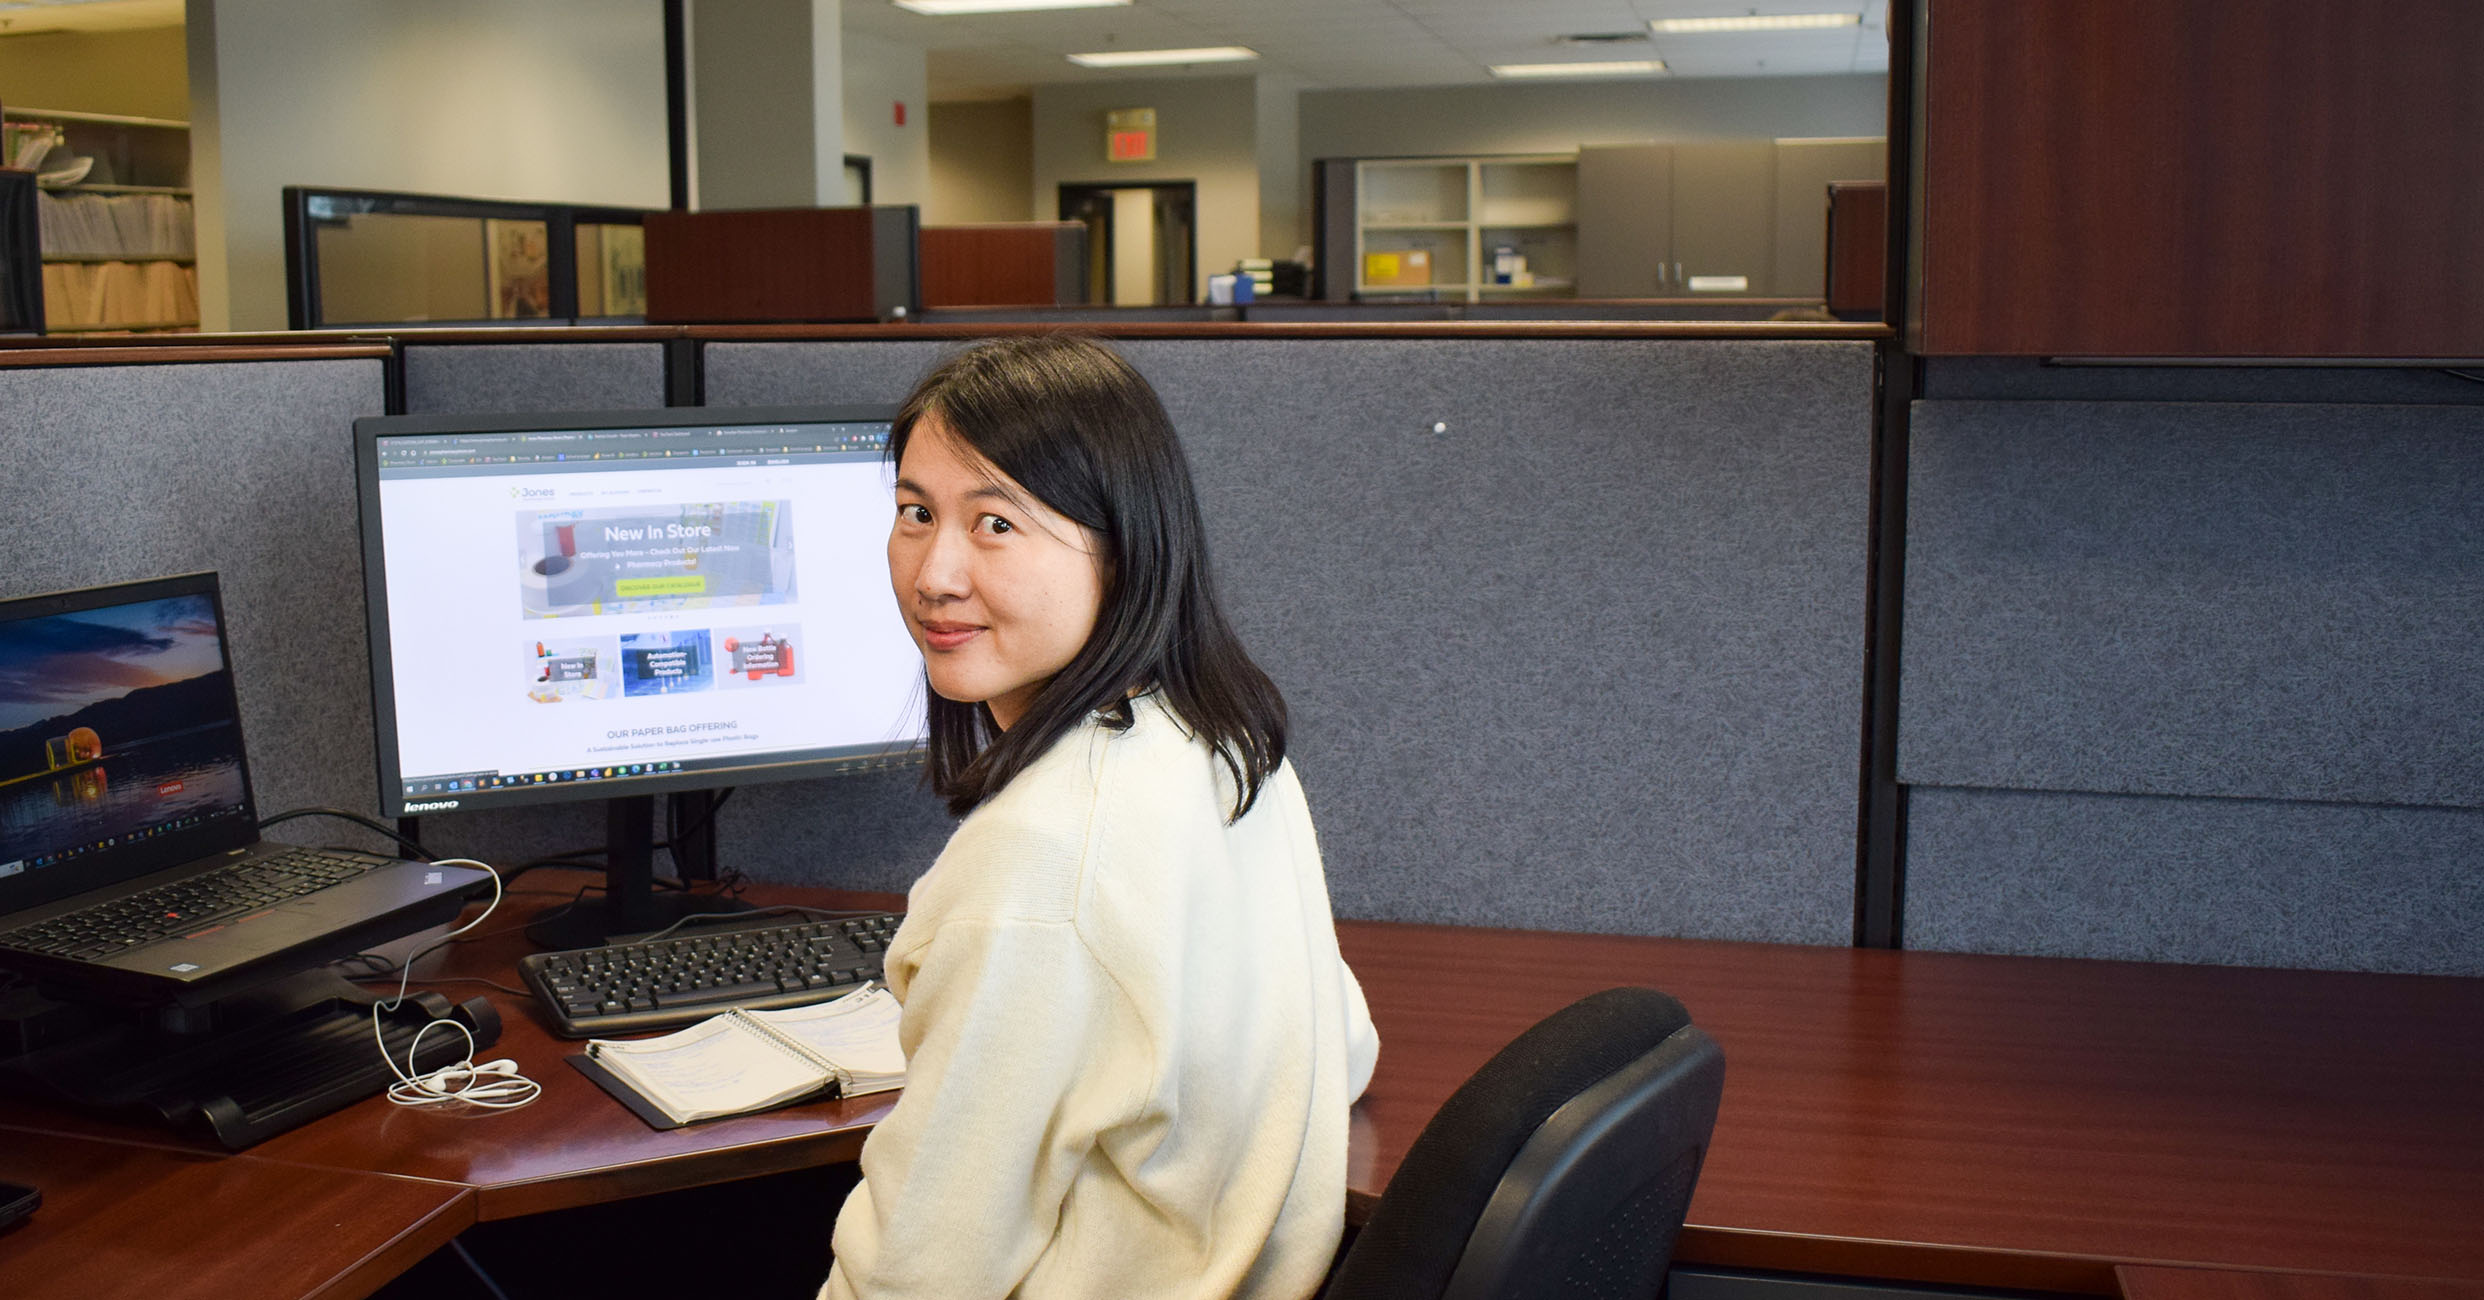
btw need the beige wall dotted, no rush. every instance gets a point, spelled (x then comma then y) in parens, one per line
(138, 73)
(879, 75)
(982, 163)
(1204, 134)
(1284, 182)
(552, 100)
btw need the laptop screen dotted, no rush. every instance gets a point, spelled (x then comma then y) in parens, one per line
(120, 748)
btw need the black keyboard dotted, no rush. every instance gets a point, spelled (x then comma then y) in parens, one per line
(186, 905)
(628, 988)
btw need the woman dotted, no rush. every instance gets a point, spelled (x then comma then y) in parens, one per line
(1130, 1040)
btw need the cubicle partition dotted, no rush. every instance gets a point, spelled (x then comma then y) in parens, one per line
(1571, 617)
(2194, 678)
(1571, 627)
(1572, 630)
(117, 472)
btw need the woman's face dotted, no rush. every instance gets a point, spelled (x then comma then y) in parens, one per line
(998, 590)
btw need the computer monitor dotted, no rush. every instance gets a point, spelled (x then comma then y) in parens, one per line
(619, 604)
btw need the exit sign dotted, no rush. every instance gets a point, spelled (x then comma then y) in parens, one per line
(1130, 135)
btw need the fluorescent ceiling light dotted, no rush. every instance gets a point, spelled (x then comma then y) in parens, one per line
(1753, 23)
(943, 7)
(1623, 68)
(1151, 58)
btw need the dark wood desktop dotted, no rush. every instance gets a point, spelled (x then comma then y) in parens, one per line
(1916, 1117)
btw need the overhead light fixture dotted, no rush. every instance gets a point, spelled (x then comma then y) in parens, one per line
(1620, 68)
(943, 8)
(1153, 58)
(1753, 23)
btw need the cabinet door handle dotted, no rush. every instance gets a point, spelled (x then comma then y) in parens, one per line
(1660, 275)
(1678, 277)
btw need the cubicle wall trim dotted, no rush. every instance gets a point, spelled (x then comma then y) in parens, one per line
(1880, 851)
(218, 346)
(1507, 330)
(160, 354)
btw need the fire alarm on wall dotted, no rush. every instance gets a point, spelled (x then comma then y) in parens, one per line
(901, 112)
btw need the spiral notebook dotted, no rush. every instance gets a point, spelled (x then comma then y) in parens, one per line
(744, 1061)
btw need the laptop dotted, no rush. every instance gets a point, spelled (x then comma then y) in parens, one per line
(131, 867)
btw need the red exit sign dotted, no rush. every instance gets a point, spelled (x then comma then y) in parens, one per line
(1130, 135)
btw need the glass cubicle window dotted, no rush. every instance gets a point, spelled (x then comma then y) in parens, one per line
(612, 270)
(362, 258)
(385, 267)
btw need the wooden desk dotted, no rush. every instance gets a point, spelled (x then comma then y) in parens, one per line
(2001, 1121)
(125, 1219)
(1915, 1117)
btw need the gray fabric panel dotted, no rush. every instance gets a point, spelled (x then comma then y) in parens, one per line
(127, 472)
(2236, 882)
(782, 374)
(1589, 659)
(452, 378)
(2257, 601)
(2028, 379)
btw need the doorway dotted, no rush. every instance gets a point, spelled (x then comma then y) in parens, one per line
(1142, 240)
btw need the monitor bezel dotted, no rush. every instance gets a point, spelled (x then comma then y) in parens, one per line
(371, 431)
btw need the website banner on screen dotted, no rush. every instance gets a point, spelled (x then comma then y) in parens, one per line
(572, 605)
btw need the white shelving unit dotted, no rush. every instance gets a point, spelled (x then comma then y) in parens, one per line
(120, 247)
(1433, 225)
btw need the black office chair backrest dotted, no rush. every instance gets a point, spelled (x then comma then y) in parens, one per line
(1561, 1169)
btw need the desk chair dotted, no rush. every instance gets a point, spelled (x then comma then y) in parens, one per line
(1561, 1169)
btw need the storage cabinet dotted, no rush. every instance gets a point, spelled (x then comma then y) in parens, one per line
(1461, 227)
(1707, 219)
(1678, 220)
(117, 229)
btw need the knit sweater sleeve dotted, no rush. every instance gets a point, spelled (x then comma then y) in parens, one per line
(1018, 1067)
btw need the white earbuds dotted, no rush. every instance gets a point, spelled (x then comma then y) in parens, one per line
(493, 1085)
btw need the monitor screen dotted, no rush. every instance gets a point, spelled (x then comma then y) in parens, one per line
(623, 603)
(120, 745)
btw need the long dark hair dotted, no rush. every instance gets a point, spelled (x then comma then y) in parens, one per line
(1073, 424)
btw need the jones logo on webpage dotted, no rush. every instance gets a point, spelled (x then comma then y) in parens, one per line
(435, 805)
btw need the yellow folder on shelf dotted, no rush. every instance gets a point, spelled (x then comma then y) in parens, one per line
(1407, 267)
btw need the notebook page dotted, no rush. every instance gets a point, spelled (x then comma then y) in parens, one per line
(857, 1032)
(715, 1067)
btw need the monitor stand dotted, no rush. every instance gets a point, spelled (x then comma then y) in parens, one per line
(629, 904)
(242, 1068)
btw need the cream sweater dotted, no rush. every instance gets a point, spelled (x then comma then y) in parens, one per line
(1130, 1043)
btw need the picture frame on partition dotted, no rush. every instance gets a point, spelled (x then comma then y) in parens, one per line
(517, 262)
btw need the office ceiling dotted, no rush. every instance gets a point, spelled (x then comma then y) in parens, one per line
(1331, 44)
(1356, 44)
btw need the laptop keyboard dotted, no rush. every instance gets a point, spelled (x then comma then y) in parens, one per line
(188, 905)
